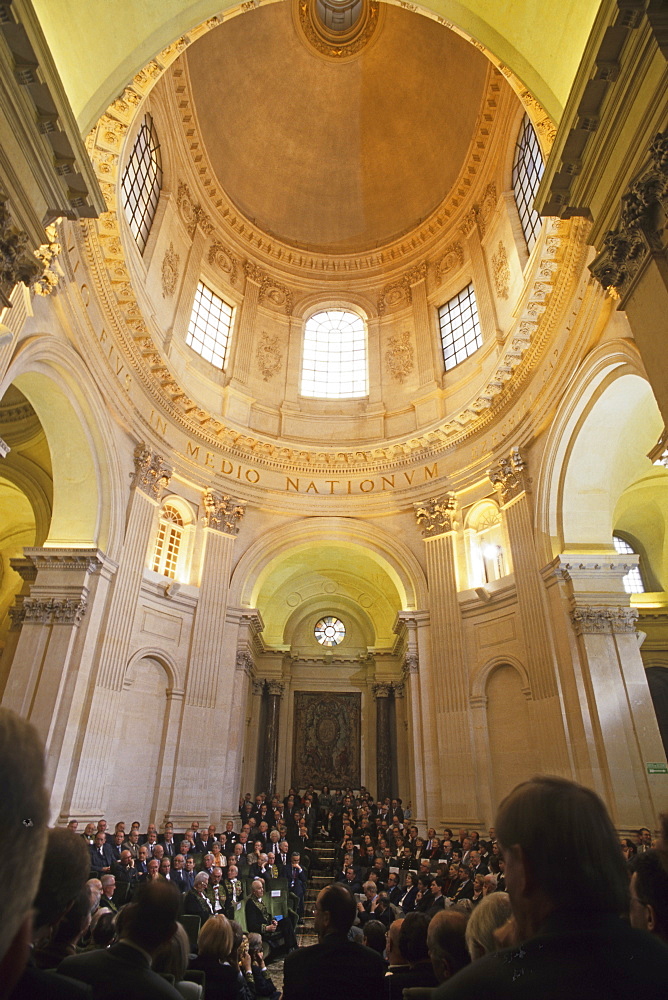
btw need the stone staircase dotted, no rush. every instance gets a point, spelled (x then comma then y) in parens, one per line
(322, 872)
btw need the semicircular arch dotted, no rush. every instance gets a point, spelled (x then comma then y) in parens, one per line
(480, 679)
(172, 671)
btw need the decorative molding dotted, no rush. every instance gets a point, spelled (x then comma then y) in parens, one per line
(399, 357)
(501, 271)
(381, 690)
(152, 474)
(545, 128)
(275, 688)
(17, 261)
(487, 206)
(451, 259)
(244, 662)
(193, 214)
(594, 620)
(169, 271)
(271, 291)
(399, 293)
(510, 476)
(640, 232)
(268, 355)
(222, 512)
(437, 515)
(338, 45)
(469, 223)
(52, 611)
(74, 559)
(224, 260)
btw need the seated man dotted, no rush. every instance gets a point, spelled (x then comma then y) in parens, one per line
(260, 921)
(196, 901)
(233, 891)
(101, 858)
(572, 940)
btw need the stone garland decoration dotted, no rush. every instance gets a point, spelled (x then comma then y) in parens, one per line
(169, 271)
(399, 357)
(268, 356)
(501, 271)
(560, 264)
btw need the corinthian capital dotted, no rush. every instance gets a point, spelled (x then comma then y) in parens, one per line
(594, 620)
(437, 515)
(510, 476)
(222, 512)
(151, 474)
(275, 687)
(381, 690)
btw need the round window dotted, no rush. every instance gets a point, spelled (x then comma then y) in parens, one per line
(329, 631)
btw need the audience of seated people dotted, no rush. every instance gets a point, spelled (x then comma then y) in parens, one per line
(107, 904)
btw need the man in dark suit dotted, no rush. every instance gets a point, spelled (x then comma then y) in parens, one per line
(351, 881)
(124, 969)
(178, 873)
(196, 901)
(335, 967)
(297, 882)
(260, 921)
(101, 858)
(394, 890)
(233, 892)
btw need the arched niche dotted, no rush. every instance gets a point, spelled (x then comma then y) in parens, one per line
(299, 635)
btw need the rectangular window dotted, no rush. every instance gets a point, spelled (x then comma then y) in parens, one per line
(210, 326)
(460, 327)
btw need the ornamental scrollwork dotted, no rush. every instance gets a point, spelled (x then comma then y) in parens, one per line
(510, 476)
(593, 620)
(222, 512)
(501, 271)
(17, 263)
(169, 271)
(223, 258)
(54, 611)
(276, 688)
(437, 515)
(268, 356)
(152, 474)
(399, 357)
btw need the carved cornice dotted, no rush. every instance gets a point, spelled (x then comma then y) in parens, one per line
(75, 560)
(152, 474)
(510, 476)
(222, 512)
(51, 611)
(437, 515)
(640, 232)
(593, 620)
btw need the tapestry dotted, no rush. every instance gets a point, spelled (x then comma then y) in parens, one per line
(326, 740)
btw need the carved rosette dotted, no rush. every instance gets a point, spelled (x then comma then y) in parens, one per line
(222, 512)
(54, 611)
(152, 474)
(169, 271)
(399, 357)
(510, 476)
(244, 662)
(640, 232)
(381, 690)
(437, 515)
(275, 688)
(593, 620)
(501, 271)
(268, 356)
(223, 258)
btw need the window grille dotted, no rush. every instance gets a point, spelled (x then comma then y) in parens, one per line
(633, 581)
(141, 183)
(210, 326)
(334, 364)
(460, 327)
(527, 171)
(168, 542)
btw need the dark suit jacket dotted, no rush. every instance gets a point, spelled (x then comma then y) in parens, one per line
(421, 974)
(118, 972)
(97, 863)
(195, 905)
(334, 969)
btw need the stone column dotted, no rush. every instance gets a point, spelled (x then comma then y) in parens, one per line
(511, 479)
(633, 264)
(402, 782)
(448, 683)
(252, 777)
(381, 693)
(196, 788)
(412, 627)
(150, 478)
(274, 691)
(56, 625)
(619, 719)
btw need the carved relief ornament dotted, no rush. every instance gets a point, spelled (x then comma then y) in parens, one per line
(510, 477)
(399, 293)
(53, 611)
(275, 688)
(17, 262)
(222, 512)
(170, 271)
(268, 356)
(437, 515)
(271, 291)
(244, 662)
(152, 474)
(639, 233)
(399, 357)
(224, 259)
(381, 690)
(592, 620)
(501, 271)
(411, 663)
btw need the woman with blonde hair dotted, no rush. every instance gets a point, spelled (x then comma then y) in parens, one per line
(228, 975)
(492, 912)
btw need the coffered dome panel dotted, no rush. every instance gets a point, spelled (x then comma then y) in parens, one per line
(336, 155)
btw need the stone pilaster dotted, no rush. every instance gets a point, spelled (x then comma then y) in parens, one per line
(511, 479)
(247, 323)
(412, 629)
(417, 282)
(151, 476)
(483, 291)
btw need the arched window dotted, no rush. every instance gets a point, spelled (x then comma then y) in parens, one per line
(486, 544)
(210, 326)
(334, 364)
(633, 581)
(527, 171)
(141, 182)
(460, 327)
(168, 542)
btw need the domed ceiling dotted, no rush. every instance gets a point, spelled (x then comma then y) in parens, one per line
(336, 155)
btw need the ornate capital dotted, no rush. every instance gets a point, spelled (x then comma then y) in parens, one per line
(275, 687)
(399, 690)
(17, 262)
(510, 476)
(258, 688)
(592, 620)
(469, 223)
(151, 474)
(411, 664)
(222, 512)
(381, 690)
(244, 661)
(54, 611)
(437, 515)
